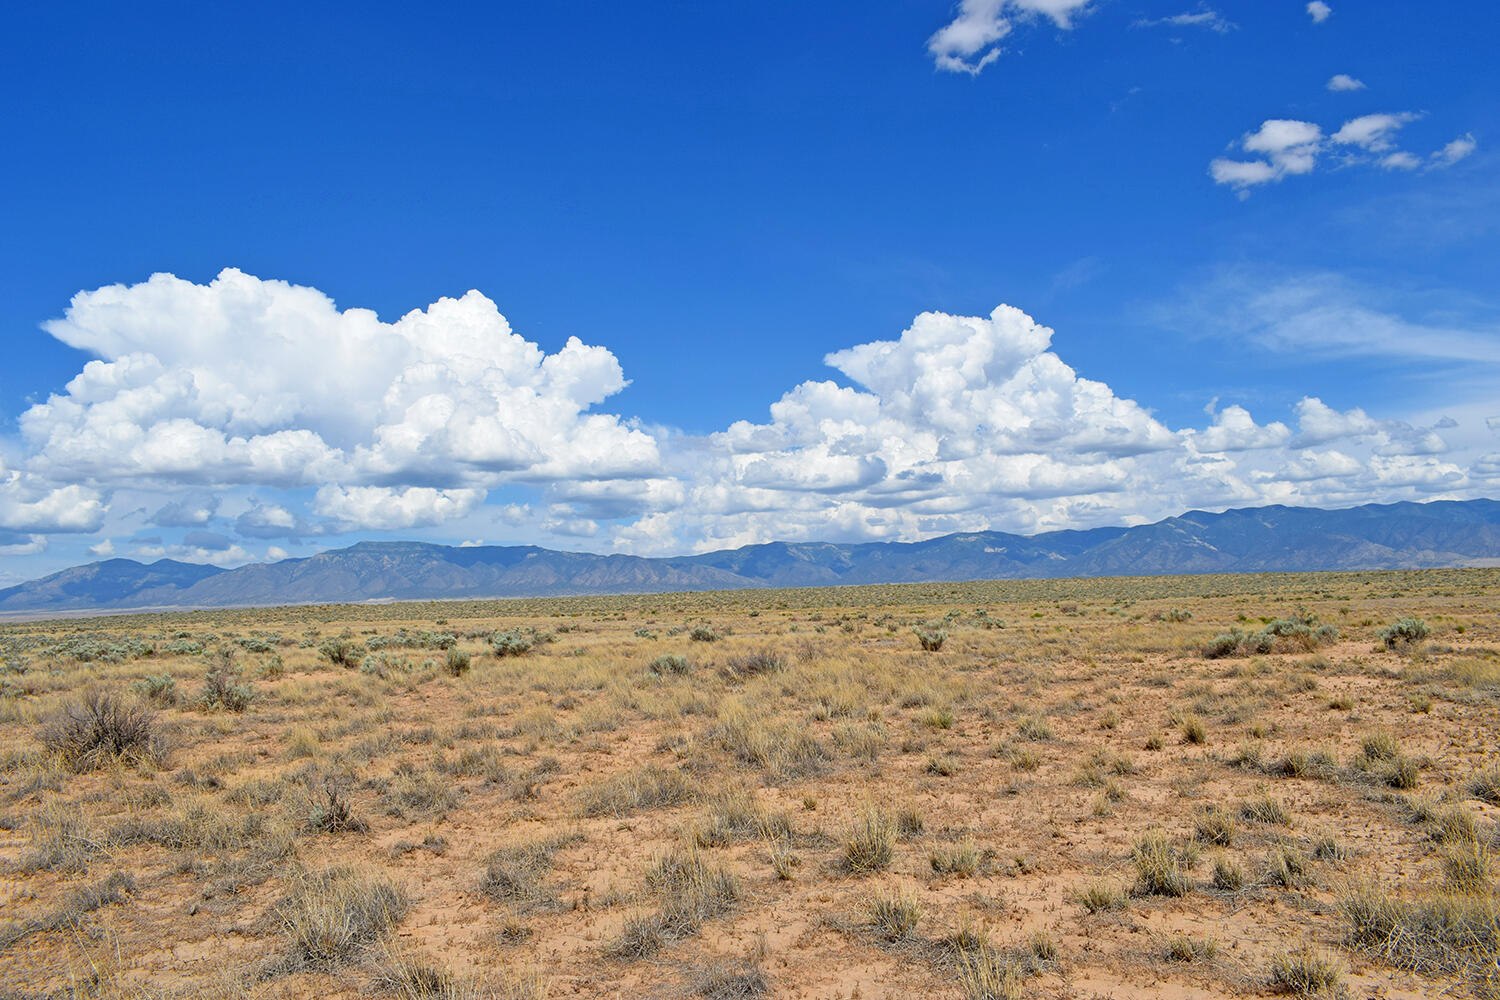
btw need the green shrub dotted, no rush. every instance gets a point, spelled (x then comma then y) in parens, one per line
(671, 663)
(931, 640)
(457, 662)
(159, 689)
(1404, 633)
(511, 643)
(220, 687)
(341, 652)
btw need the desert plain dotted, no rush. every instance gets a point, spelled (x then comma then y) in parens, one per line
(1177, 787)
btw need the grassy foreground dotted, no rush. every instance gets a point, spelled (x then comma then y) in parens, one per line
(1172, 787)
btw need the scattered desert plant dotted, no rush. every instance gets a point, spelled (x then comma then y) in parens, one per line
(1305, 973)
(332, 812)
(341, 653)
(870, 844)
(517, 874)
(222, 687)
(159, 689)
(511, 643)
(931, 640)
(895, 916)
(101, 727)
(457, 662)
(1161, 868)
(1265, 809)
(1215, 825)
(671, 663)
(646, 787)
(331, 917)
(1404, 633)
(1098, 896)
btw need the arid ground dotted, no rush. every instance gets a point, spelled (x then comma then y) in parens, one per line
(1171, 787)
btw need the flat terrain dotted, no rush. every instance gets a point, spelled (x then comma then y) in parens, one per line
(1173, 787)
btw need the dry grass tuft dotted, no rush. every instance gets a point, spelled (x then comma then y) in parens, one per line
(332, 917)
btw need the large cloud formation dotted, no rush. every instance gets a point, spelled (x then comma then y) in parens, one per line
(239, 412)
(244, 381)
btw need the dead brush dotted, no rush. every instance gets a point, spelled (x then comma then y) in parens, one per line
(780, 749)
(1485, 786)
(332, 812)
(1265, 809)
(409, 977)
(1215, 825)
(748, 665)
(1466, 868)
(1305, 973)
(61, 840)
(114, 890)
(101, 728)
(689, 890)
(963, 859)
(726, 980)
(1441, 934)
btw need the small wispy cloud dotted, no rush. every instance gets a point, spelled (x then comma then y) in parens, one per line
(1454, 151)
(1344, 83)
(1319, 11)
(1205, 17)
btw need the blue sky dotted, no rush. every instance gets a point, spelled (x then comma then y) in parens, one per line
(1263, 237)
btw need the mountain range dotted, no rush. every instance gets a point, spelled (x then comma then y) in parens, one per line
(1261, 539)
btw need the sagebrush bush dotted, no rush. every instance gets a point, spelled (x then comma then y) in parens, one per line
(457, 663)
(159, 689)
(511, 643)
(221, 687)
(671, 663)
(1404, 633)
(341, 652)
(931, 640)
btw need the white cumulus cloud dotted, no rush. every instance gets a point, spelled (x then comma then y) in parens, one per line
(447, 424)
(1344, 83)
(971, 41)
(1319, 11)
(1285, 147)
(244, 381)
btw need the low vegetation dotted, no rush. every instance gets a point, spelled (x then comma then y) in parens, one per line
(1207, 786)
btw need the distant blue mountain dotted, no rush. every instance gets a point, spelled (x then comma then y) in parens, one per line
(1260, 539)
